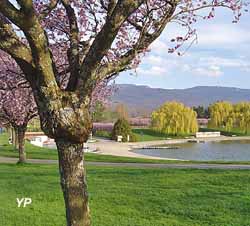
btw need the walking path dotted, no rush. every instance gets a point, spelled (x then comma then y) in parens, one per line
(141, 165)
(109, 147)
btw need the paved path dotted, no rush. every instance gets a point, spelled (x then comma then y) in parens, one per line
(141, 165)
(108, 147)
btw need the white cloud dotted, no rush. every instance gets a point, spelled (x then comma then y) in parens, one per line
(154, 60)
(154, 70)
(159, 47)
(238, 63)
(211, 71)
(223, 35)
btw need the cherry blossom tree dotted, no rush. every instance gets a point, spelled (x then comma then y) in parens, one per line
(17, 104)
(66, 48)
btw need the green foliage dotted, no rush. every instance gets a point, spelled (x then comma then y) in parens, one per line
(230, 116)
(98, 112)
(174, 118)
(34, 125)
(133, 137)
(122, 128)
(122, 111)
(219, 114)
(102, 133)
(129, 197)
(201, 112)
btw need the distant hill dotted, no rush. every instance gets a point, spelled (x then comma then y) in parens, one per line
(143, 99)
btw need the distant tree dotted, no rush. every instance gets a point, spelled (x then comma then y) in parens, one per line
(219, 113)
(240, 116)
(17, 108)
(34, 125)
(230, 116)
(122, 111)
(201, 111)
(98, 112)
(17, 104)
(122, 128)
(174, 118)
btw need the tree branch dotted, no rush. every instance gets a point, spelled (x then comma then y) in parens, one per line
(38, 42)
(73, 52)
(144, 41)
(12, 13)
(11, 44)
(52, 5)
(103, 42)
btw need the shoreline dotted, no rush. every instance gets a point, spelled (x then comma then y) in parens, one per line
(109, 147)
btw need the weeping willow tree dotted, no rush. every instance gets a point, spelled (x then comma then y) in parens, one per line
(220, 112)
(174, 118)
(230, 116)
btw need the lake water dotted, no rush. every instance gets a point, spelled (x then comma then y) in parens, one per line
(209, 151)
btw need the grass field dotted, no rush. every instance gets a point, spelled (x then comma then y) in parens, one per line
(129, 197)
(148, 134)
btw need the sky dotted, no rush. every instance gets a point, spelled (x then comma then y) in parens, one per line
(220, 58)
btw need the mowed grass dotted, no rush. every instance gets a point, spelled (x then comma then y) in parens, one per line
(32, 152)
(233, 132)
(148, 134)
(129, 197)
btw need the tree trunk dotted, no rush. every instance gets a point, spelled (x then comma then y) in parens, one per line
(21, 141)
(14, 138)
(73, 182)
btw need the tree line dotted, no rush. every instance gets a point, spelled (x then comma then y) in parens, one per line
(230, 116)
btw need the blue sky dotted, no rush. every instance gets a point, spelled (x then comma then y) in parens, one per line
(220, 58)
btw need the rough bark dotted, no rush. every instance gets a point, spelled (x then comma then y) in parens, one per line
(21, 134)
(73, 182)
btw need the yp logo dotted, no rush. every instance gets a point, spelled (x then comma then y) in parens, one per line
(23, 202)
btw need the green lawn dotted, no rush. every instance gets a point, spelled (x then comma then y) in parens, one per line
(31, 150)
(148, 134)
(129, 197)
(223, 131)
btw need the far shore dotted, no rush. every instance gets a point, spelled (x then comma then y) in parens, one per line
(109, 147)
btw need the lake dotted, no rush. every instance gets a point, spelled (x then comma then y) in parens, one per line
(210, 151)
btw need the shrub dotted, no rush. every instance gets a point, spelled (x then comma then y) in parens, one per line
(102, 133)
(122, 128)
(133, 137)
